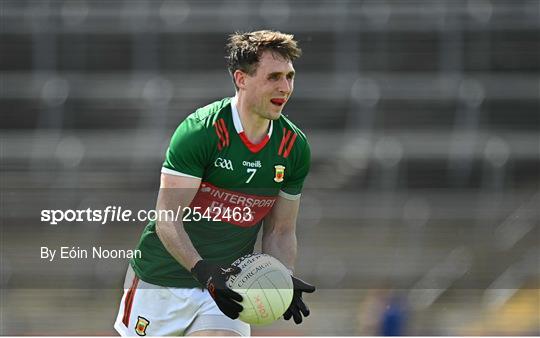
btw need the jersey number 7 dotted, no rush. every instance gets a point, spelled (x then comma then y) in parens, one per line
(251, 171)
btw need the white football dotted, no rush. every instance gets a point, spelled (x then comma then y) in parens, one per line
(266, 287)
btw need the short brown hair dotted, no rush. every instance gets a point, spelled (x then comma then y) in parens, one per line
(245, 49)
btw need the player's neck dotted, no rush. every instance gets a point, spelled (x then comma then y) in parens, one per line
(255, 126)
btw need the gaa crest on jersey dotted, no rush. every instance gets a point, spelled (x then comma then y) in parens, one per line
(223, 163)
(142, 324)
(280, 173)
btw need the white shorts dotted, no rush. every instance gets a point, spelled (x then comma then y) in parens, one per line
(148, 309)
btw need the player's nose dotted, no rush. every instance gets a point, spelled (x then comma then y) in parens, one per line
(285, 86)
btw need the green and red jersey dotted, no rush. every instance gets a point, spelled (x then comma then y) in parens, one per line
(240, 183)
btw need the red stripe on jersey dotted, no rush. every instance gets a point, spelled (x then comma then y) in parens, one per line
(218, 132)
(284, 140)
(128, 302)
(289, 147)
(254, 148)
(225, 131)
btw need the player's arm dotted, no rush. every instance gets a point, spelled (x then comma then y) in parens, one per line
(176, 191)
(279, 240)
(179, 191)
(279, 231)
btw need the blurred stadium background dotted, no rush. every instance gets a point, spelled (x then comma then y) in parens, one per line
(420, 215)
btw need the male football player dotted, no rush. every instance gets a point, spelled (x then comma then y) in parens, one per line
(237, 165)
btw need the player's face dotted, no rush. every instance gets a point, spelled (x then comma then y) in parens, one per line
(268, 90)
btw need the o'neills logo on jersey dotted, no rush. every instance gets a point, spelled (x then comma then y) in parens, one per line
(217, 200)
(256, 164)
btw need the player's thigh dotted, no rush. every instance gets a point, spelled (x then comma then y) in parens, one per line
(210, 321)
(152, 310)
(213, 333)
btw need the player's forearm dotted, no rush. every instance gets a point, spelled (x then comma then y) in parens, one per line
(176, 191)
(281, 245)
(177, 242)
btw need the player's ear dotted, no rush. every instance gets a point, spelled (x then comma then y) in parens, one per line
(240, 78)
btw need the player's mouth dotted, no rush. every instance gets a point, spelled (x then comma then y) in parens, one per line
(278, 102)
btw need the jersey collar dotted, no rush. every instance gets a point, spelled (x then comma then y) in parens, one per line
(254, 148)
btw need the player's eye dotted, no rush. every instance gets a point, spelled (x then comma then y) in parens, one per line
(273, 77)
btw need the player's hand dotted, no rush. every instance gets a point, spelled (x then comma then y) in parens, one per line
(298, 307)
(213, 277)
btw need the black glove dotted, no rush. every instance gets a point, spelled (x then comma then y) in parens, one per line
(297, 305)
(213, 277)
